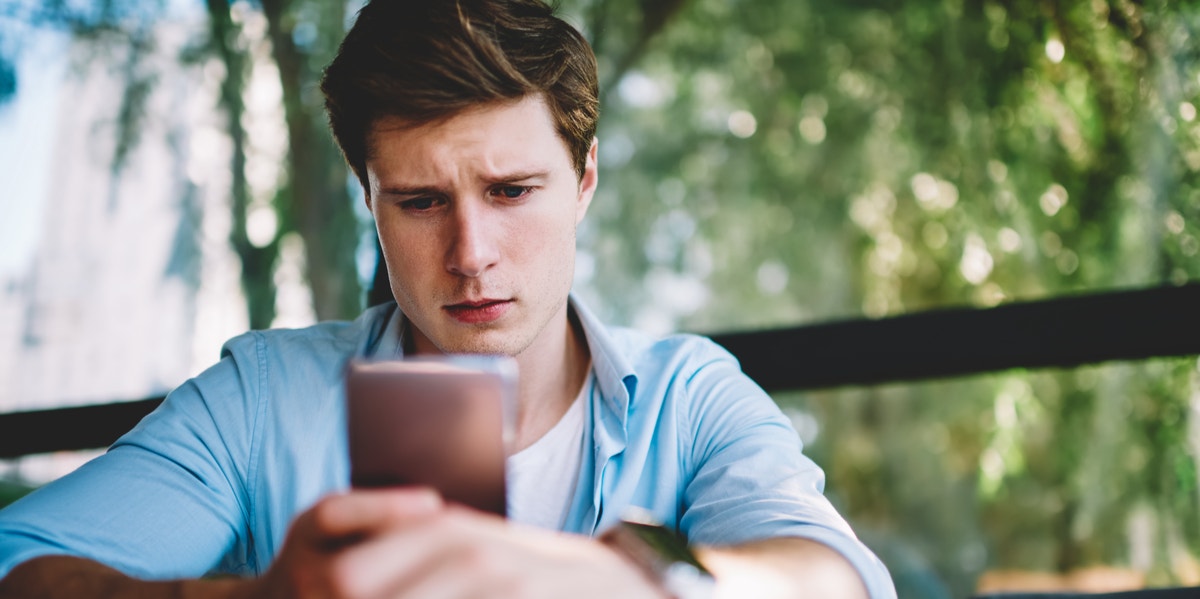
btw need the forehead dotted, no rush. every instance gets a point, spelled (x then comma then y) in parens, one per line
(491, 137)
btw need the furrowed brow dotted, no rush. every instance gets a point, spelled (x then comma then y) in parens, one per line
(519, 176)
(394, 190)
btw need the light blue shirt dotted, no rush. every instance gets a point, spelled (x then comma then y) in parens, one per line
(211, 479)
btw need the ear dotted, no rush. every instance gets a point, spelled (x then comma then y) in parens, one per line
(587, 183)
(366, 181)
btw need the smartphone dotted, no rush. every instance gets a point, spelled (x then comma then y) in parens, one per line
(439, 422)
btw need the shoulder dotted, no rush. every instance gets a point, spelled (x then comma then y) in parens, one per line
(703, 385)
(297, 366)
(690, 376)
(257, 365)
(321, 343)
(673, 356)
(622, 353)
(684, 377)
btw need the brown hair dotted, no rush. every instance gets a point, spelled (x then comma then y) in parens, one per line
(424, 60)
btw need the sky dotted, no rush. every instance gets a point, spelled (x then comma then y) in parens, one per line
(28, 128)
(27, 131)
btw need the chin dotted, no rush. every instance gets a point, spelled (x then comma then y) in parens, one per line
(482, 344)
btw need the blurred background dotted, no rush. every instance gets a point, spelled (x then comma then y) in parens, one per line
(166, 181)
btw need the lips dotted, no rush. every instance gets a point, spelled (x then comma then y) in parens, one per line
(478, 311)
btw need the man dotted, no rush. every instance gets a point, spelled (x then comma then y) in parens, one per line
(471, 127)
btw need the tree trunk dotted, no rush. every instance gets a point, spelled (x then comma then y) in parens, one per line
(257, 263)
(318, 196)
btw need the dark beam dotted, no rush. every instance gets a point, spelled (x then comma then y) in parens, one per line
(1063, 332)
(69, 429)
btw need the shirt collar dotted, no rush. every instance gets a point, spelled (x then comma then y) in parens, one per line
(382, 331)
(391, 343)
(615, 376)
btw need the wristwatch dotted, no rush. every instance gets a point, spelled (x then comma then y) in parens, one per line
(662, 555)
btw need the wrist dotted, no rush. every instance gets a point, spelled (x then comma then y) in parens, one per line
(663, 556)
(216, 588)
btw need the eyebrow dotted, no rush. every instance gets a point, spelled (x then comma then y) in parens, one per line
(409, 191)
(518, 176)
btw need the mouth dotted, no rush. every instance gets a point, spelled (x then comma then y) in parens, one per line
(478, 311)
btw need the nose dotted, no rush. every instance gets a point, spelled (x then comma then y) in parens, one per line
(473, 240)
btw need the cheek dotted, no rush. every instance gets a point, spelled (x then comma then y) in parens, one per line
(403, 252)
(551, 256)
(548, 239)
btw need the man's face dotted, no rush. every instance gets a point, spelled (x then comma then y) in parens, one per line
(476, 215)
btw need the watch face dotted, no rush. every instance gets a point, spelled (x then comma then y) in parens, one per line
(685, 581)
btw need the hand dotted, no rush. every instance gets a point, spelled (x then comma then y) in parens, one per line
(394, 544)
(308, 565)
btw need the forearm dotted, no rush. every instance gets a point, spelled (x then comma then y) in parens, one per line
(52, 577)
(782, 568)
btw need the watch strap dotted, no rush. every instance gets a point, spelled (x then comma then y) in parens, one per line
(663, 556)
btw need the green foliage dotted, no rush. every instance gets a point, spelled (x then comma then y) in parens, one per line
(10, 492)
(784, 161)
(312, 202)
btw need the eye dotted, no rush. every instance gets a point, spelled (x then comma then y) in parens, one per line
(512, 192)
(422, 204)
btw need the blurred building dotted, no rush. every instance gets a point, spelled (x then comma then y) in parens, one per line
(131, 286)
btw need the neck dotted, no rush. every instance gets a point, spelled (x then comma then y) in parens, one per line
(553, 369)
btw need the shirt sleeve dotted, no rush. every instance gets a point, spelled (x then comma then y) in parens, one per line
(168, 499)
(751, 479)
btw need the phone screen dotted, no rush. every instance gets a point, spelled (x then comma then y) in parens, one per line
(431, 422)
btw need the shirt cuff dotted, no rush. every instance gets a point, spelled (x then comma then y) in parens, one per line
(870, 568)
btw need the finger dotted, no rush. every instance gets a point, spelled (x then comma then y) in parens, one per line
(447, 577)
(459, 553)
(385, 564)
(361, 513)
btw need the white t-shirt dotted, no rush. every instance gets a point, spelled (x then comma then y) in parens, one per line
(541, 478)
